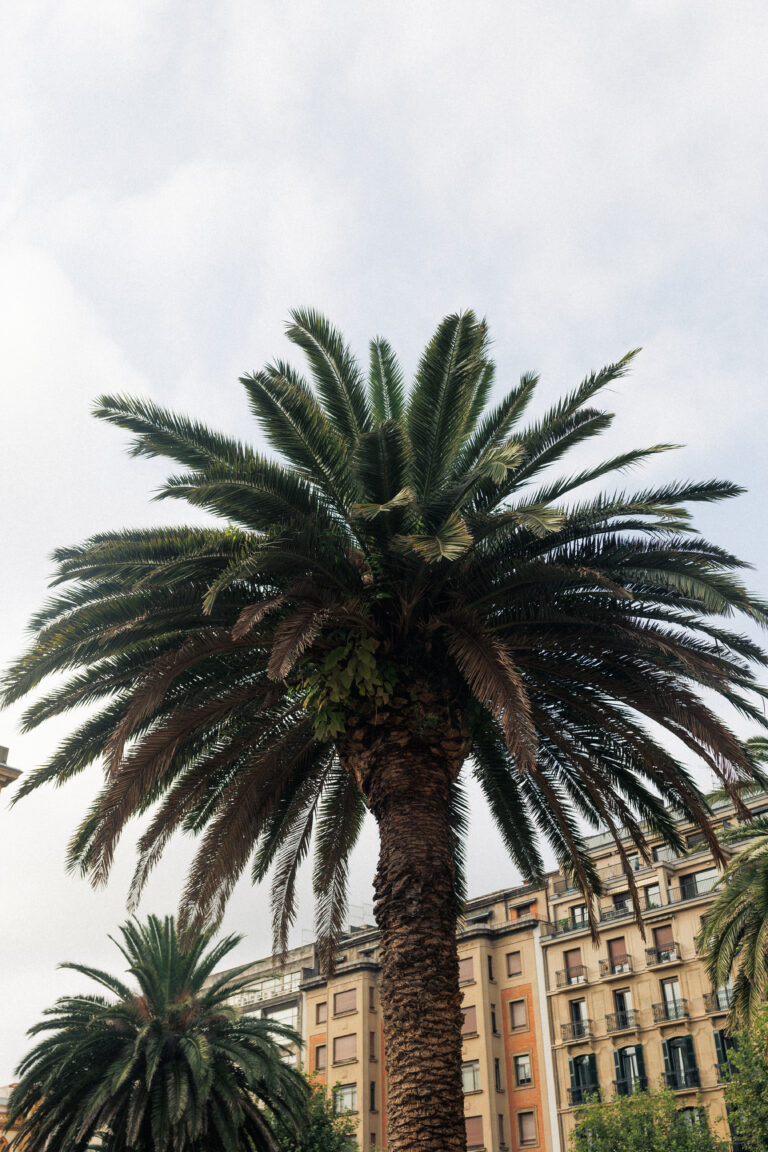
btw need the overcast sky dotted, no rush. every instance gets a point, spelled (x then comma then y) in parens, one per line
(175, 176)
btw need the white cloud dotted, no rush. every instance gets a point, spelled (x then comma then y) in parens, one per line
(177, 176)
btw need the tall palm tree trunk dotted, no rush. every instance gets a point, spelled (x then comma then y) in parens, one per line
(407, 779)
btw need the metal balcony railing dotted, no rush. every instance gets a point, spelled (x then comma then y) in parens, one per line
(651, 903)
(619, 1021)
(682, 1079)
(666, 954)
(563, 926)
(617, 911)
(562, 885)
(630, 1084)
(692, 891)
(719, 1001)
(583, 1093)
(670, 1010)
(569, 976)
(615, 965)
(577, 1030)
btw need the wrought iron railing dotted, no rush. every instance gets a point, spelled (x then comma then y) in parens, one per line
(681, 1079)
(670, 1010)
(719, 1001)
(630, 1084)
(575, 975)
(664, 954)
(577, 1030)
(619, 1021)
(615, 965)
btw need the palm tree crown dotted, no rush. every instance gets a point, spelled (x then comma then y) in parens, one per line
(170, 1064)
(407, 551)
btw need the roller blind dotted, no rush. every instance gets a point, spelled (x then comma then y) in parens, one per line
(474, 1131)
(345, 1048)
(470, 1021)
(345, 1001)
(466, 968)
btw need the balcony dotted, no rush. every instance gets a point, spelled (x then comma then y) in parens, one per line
(583, 1093)
(722, 1072)
(670, 1010)
(682, 1080)
(561, 885)
(569, 976)
(616, 911)
(562, 927)
(719, 1001)
(576, 1030)
(667, 954)
(616, 966)
(692, 891)
(630, 1084)
(620, 1021)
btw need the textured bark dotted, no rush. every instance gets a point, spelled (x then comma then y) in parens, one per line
(405, 763)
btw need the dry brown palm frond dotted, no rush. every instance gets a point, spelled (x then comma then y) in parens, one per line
(253, 615)
(151, 690)
(487, 665)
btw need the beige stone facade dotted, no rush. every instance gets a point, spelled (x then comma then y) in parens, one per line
(550, 1017)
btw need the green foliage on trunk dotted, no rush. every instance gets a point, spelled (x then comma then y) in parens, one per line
(746, 1090)
(643, 1122)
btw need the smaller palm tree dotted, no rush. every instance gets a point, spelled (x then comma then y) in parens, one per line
(168, 1065)
(734, 932)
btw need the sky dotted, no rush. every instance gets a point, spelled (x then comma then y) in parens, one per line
(176, 176)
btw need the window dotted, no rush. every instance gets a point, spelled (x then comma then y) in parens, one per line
(518, 1017)
(345, 1048)
(664, 944)
(584, 1083)
(321, 1057)
(288, 1016)
(372, 1096)
(466, 969)
(578, 914)
(470, 1076)
(652, 896)
(522, 911)
(345, 1002)
(469, 1027)
(630, 1070)
(490, 967)
(523, 1072)
(502, 1141)
(680, 1069)
(574, 969)
(526, 1127)
(372, 1046)
(321, 1013)
(371, 999)
(618, 961)
(474, 1131)
(345, 1098)
(497, 1074)
(494, 1028)
(514, 964)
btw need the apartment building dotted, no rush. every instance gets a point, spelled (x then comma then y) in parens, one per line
(636, 1010)
(507, 1068)
(550, 1016)
(7, 774)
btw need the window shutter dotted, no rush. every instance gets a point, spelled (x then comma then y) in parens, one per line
(572, 958)
(690, 1054)
(345, 1001)
(617, 1063)
(665, 1054)
(466, 969)
(572, 1070)
(345, 1048)
(663, 936)
(470, 1021)
(617, 948)
(592, 1070)
(640, 1060)
(719, 1047)
(474, 1131)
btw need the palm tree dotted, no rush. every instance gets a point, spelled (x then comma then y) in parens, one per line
(734, 932)
(404, 590)
(168, 1065)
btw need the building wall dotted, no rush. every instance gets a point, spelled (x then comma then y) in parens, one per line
(542, 926)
